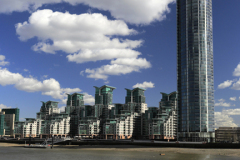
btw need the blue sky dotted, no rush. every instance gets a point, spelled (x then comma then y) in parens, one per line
(54, 47)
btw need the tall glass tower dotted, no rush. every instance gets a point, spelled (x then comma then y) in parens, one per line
(195, 70)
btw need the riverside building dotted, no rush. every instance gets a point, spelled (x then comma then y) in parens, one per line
(8, 116)
(114, 121)
(2, 116)
(227, 134)
(104, 120)
(195, 70)
(162, 121)
(50, 121)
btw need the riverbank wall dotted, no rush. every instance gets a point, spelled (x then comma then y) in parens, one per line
(142, 144)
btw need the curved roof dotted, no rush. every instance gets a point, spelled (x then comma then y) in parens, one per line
(136, 89)
(105, 86)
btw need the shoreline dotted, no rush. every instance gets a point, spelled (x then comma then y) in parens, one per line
(128, 148)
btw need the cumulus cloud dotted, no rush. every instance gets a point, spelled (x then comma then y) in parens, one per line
(2, 61)
(222, 103)
(144, 85)
(237, 71)
(78, 32)
(50, 87)
(236, 85)
(60, 93)
(223, 120)
(233, 98)
(4, 106)
(88, 99)
(9, 78)
(119, 66)
(87, 38)
(134, 11)
(231, 111)
(62, 109)
(104, 54)
(113, 69)
(225, 84)
(134, 62)
(7, 6)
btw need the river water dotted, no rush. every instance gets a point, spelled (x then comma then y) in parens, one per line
(20, 153)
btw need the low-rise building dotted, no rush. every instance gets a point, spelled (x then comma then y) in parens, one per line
(227, 134)
(49, 122)
(26, 128)
(89, 127)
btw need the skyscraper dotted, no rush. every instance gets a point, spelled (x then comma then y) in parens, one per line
(195, 70)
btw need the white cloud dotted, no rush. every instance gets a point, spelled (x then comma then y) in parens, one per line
(64, 101)
(106, 82)
(26, 70)
(61, 92)
(2, 61)
(134, 62)
(223, 120)
(88, 99)
(225, 84)
(85, 41)
(8, 78)
(132, 11)
(62, 109)
(8, 6)
(222, 103)
(4, 106)
(233, 98)
(232, 111)
(78, 32)
(113, 69)
(236, 85)
(105, 54)
(82, 73)
(50, 87)
(118, 67)
(237, 71)
(45, 76)
(144, 85)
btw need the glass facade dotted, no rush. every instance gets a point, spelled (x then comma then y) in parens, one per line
(12, 111)
(195, 66)
(103, 95)
(135, 96)
(2, 123)
(75, 99)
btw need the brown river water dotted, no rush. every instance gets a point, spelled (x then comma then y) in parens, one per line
(68, 153)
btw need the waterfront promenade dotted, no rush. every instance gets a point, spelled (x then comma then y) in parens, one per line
(142, 143)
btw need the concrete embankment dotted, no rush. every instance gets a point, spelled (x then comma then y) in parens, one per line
(142, 144)
(178, 145)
